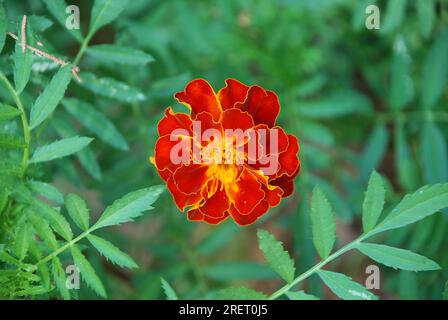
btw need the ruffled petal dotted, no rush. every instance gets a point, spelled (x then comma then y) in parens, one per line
(199, 96)
(262, 104)
(289, 162)
(246, 192)
(285, 183)
(216, 205)
(233, 92)
(196, 215)
(191, 178)
(247, 219)
(181, 199)
(172, 121)
(165, 153)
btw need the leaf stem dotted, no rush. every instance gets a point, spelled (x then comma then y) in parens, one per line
(318, 266)
(83, 48)
(25, 125)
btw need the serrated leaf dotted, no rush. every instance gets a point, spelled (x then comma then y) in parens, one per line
(169, 291)
(56, 219)
(344, 287)
(96, 122)
(119, 54)
(46, 190)
(111, 88)
(87, 272)
(22, 240)
(239, 271)
(9, 169)
(414, 207)
(50, 97)
(44, 231)
(42, 268)
(374, 150)
(239, 293)
(397, 258)
(395, 13)
(59, 149)
(426, 13)
(129, 207)
(373, 201)
(85, 156)
(435, 71)
(275, 254)
(2, 26)
(78, 210)
(111, 252)
(300, 295)
(8, 141)
(104, 12)
(434, 154)
(58, 9)
(23, 61)
(7, 112)
(60, 278)
(322, 223)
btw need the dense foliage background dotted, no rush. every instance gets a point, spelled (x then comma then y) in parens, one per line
(357, 99)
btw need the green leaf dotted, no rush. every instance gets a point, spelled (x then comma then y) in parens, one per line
(277, 257)
(111, 252)
(85, 156)
(87, 272)
(59, 149)
(445, 293)
(300, 295)
(78, 210)
(96, 122)
(22, 240)
(2, 26)
(56, 219)
(373, 201)
(58, 9)
(401, 84)
(104, 12)
(404, 162)
(119, 54)
(44, 231)
(10, 169)
(111, 88)
(434, 154)
(49, 99)
(8, 141)
(60, 278)
(397, 258)
(169, 291)
(395, 13)
(239, 271)
(46, 190)
(239, 293)
(322, 223)
(7, 112)
(426, 14)
(414, 207)
(129, 207)
(374, 150)
(23, 61)
(344, 287)
(435, 71)
(42, 268)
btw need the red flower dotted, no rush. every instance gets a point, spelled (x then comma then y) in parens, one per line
(227, 158)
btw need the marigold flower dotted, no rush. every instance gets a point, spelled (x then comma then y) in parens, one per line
(227, 157)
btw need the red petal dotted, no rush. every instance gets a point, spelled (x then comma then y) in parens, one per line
(285, 183)
(289, 161)
(262, 104)
(233, 92)
(162, 154)
(199, 96)
(196, 215)
(181, 199)
(216, 205)
(246, 192)
(246, 219)
(190, 179)
(172, 121)
(236, 119)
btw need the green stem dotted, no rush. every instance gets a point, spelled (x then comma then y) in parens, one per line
(83, 48)
(318, 266)
(25, 125)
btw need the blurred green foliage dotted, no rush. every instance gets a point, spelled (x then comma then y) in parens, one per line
(357, 99)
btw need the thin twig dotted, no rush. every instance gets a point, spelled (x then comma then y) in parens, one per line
(23, 39)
